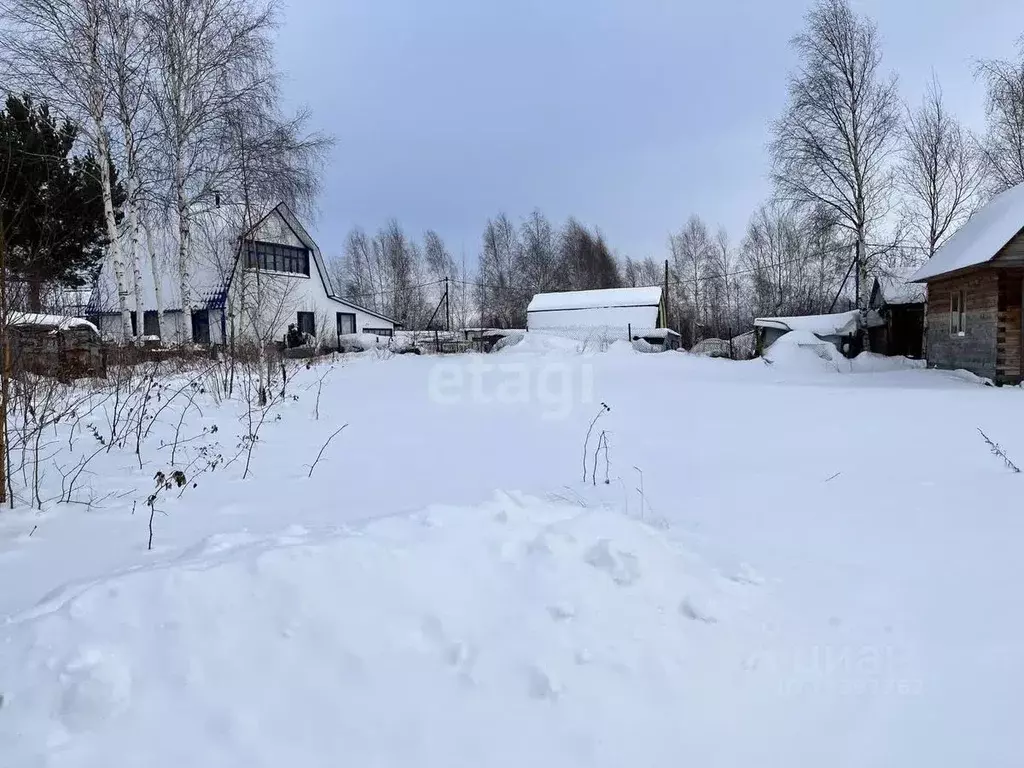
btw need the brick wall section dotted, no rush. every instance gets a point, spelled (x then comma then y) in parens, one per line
(976, 350)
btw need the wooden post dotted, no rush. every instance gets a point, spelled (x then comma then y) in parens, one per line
(5, 368)
(447, 308)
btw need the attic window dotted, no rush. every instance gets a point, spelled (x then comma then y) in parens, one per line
(957, 313)
(275, 257)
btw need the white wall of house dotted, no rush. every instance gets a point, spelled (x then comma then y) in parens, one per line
(260, 304)
(264, 302)
(172, 327)
(594, 317)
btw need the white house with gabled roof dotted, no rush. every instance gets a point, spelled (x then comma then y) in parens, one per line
(248, 288)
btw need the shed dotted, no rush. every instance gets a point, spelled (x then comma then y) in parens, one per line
(974, 282)
(659, 339)
(54, 345)
(615, 312)
(902, 307)
(841, 329)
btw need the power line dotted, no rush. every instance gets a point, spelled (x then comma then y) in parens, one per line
(392, 291)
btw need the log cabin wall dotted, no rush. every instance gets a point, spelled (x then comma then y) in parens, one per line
(976, 349)
(1008, 332)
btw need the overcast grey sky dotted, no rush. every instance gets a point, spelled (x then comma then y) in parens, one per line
(629, 114)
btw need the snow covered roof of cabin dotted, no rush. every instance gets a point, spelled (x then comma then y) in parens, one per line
(904, 293)
(599, 299)
(840, 324)
(981, 238)
(894, 291)
(59, 322)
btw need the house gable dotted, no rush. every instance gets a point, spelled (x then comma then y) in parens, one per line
(1011, 254)
(274, 229)
(980, 239)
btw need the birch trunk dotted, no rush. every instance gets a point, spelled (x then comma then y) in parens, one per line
(157, 293)
(133, 244)
(183, 251)
(133, 224)
(103, 150)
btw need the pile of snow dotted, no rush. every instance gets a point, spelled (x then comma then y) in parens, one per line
(802, 351)
(364, 342)
(871, 362)
(838, 324)
(552, 343)
(969, 377)
(508, 634)
(783, 608)
(57, 322)
(508, 340)
(711, 348)
(744, 345)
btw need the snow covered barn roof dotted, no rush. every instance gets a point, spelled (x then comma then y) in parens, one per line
(599, 299)
(840, 324)
(617, 309)
(981, 238)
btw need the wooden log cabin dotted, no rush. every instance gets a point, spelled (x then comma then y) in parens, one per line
(975, 280)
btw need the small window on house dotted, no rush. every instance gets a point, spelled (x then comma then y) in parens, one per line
(379, 331)
(307, 323)
(151, 322)
(957, 313)
(200, 326)
(135, 324)
(346, 323)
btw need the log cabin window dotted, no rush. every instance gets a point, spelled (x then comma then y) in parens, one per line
(957, 313)
(275, 257)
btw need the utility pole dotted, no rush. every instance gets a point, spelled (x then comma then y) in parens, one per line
(447, 307)
(6, 366)
(665, 297)
(856, 271)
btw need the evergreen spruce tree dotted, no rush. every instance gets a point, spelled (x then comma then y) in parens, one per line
(51, 202)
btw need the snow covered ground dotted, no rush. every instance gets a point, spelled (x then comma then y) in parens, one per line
(821, 568)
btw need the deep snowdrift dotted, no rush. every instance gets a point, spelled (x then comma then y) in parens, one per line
(823, 576)
(502, 635)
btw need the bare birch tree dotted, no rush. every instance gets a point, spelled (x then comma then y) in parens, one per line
(59, 47)
(641, 273)
(691, 251)
(832, 147)
(212, 57)
(941, 171)
(125, 65)
(1003, 143)
(499, 294)
(539, 258)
